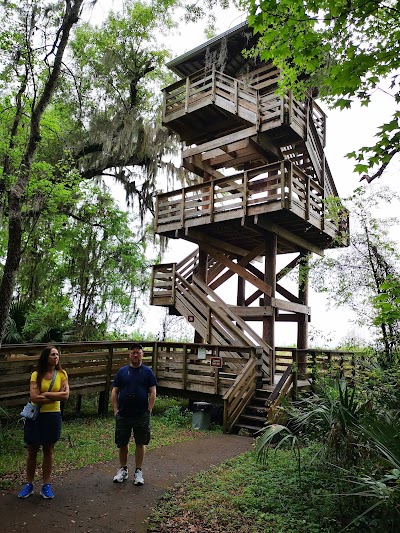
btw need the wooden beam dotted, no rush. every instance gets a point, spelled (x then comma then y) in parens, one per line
(198, 166)
(288, 268)
(242, 262)
(269, 152)
(253, 297)
(216, 143)
(252, 313)
(198, 238)
(293, 307)
(238, 269)
(287, 235)
(287, 294)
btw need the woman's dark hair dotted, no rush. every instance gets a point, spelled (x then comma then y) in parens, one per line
(42, 364)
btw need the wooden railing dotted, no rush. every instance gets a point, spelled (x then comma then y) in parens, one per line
(265, 189)
(255, 102)
(240, 393)
(91, 367)
(307, 363)
(202, 88)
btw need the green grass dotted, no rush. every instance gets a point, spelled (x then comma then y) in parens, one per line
(88, 438)
(241, 496)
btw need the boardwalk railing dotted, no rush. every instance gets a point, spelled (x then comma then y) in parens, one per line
(265, 189)
(91, 367)
(308, 363)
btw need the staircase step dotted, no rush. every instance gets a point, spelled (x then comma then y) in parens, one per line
(249, 427)
(252, 418)
(255, 410)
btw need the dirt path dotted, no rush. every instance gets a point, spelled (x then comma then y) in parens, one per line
(86, 500)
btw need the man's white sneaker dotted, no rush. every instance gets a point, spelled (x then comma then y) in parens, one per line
(121, 475)
(138, 479)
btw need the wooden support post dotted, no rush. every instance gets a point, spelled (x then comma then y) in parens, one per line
(187, 94)
(173, 284)
(184, 367)
(245, 195)
(202, 274)
(164, 104)
(209, 324)
(236, 96)
(212, 200)
(216, 380)
(213, 83)
(78, 403)
(308, 198)
(104, 396)
(270, 279)
(155, 359)
(302, 325)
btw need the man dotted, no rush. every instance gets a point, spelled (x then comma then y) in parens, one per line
(133, 397)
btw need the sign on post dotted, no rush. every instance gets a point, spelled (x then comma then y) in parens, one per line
(216, 362)
(201, 353)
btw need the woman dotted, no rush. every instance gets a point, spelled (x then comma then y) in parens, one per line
(46, 429)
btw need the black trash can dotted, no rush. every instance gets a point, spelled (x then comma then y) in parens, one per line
(201, 415)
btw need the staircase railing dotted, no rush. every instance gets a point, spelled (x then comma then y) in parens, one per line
(280, 391)
(240, 393)
(215, 321)
(177, 285)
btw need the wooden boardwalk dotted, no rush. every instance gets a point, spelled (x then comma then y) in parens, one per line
(220, 374)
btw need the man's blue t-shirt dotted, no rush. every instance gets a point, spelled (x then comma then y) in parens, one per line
(134, 384)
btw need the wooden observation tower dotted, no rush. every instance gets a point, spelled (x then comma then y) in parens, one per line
(259, 193)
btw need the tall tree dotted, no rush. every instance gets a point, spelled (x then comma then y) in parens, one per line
(345, 49)
(35, 65)
(365, 275)
(78, 106)
(73, 114)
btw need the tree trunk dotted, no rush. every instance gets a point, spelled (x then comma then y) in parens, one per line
(17, 193)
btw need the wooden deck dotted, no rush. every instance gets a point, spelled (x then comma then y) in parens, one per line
(209, 103)
(239, 209)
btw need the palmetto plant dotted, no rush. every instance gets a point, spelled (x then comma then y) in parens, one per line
(331, 416)
(349, 431)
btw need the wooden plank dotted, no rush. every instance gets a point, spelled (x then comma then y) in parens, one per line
(238, 269)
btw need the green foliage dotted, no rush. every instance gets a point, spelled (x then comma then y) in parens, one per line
(32, 321)
(356, 277)
(345, 49)
(378, 382)
(357, 432)
(96, 115)
(176, 416)
(240, 496)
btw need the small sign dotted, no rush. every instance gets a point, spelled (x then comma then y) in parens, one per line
(216, 362)
(201, 353)
(190, 318)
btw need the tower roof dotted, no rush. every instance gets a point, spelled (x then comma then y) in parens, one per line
(237, 39)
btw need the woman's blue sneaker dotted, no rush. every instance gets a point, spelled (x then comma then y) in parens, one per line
(46, 492)
(26, 491)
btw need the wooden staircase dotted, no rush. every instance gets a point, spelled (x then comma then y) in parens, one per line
(178, 287)
(264, 402)
(255, 415)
